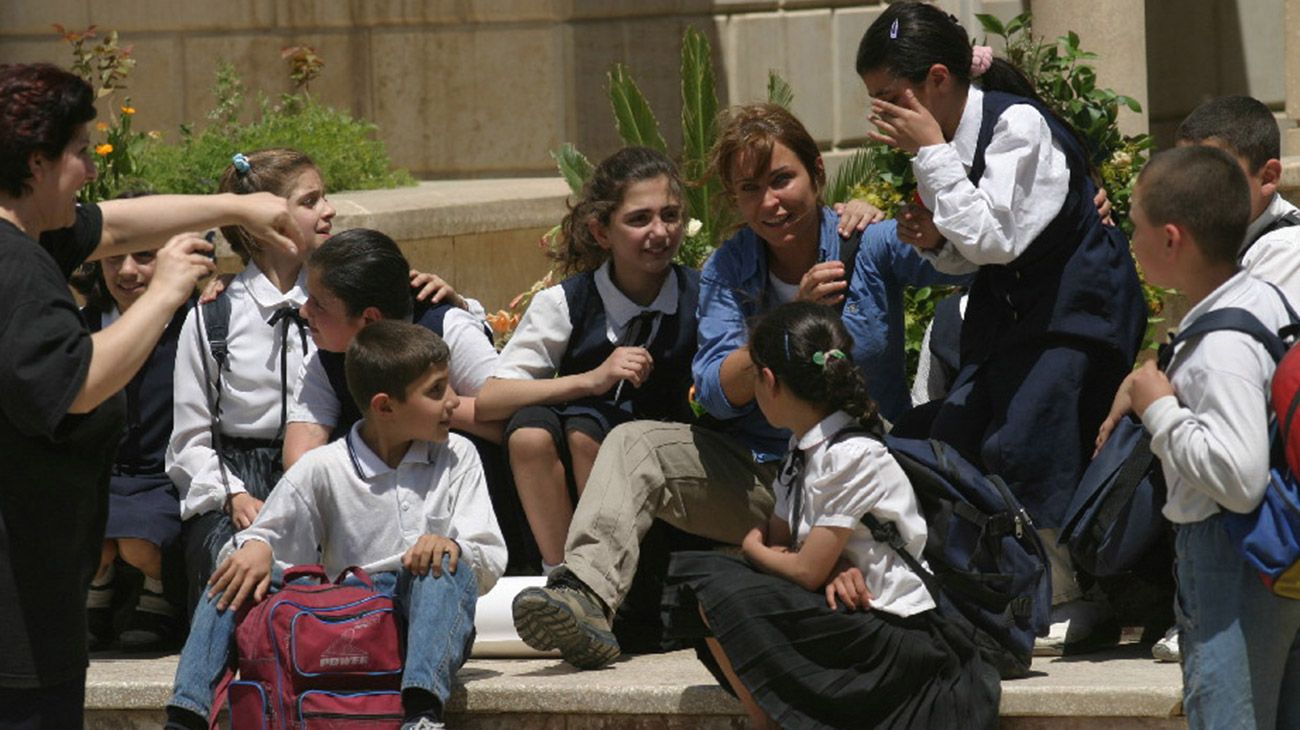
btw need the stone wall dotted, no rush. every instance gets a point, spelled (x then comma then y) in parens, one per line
(477, 88)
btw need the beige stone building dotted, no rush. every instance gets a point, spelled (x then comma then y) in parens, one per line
(485, 88)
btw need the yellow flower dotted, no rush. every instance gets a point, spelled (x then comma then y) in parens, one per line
(104, 150)
(128, 110)
(101, 126)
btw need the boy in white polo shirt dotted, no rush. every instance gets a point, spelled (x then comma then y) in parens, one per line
(411, 512)
(1209, 426)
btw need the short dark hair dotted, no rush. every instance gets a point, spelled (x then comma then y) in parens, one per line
(365, 268)
(43, 105)
(387, 356)
(1241, 123)
(1201, 189)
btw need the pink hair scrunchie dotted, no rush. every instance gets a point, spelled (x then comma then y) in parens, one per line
(980, 60)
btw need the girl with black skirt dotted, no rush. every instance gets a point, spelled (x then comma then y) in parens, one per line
(819, 625)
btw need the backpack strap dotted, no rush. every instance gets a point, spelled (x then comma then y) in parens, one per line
(849, 257)
(1286, 220)
(214, 323)
(1230, 318)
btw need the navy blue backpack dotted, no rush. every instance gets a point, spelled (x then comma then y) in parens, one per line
(1115, 514)
(988, 572)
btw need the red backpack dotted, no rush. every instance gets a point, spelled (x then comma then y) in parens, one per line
(320, 655)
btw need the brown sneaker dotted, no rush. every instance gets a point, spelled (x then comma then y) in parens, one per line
(566, 617)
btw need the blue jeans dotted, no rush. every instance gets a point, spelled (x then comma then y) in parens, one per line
(1240, 643)
(439, 618)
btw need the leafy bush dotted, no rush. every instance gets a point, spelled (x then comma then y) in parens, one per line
(349, 155)
(345, 149)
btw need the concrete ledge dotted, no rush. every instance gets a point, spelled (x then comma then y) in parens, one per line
(455, 207)
(1122, 688)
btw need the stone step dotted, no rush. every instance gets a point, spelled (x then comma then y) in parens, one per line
(1119, 689)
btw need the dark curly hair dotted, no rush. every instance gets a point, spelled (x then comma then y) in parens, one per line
(786, 341)
(578, 250)
(43, 106)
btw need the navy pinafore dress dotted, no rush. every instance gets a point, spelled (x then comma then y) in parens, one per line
(1046, 341)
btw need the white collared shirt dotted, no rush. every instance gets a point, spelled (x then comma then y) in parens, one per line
(843, 482)
(473, 359)
(1275, 257)
(250, 387)
(1212, 435)
(537, 347)
(1024, 185)
(359, 511)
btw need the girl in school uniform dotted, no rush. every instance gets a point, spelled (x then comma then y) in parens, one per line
(243, 399)
(611, 343)
(818, 625)
(143, 509)
(1055, 315)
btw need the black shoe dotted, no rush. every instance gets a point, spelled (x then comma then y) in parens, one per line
(146, 631)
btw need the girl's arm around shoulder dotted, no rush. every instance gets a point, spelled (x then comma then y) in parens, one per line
(473, 523)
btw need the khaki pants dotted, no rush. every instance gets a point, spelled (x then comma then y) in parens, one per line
(697, 480)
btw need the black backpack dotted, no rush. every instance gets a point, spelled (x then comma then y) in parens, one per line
(988, 572)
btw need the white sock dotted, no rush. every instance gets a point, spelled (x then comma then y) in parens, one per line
(548, 568)
(151, 598)
(100, 594)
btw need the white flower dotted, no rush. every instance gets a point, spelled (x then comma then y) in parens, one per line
(693, 226)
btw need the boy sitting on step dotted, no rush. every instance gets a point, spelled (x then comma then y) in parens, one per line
(408, 508)
(1208, 418)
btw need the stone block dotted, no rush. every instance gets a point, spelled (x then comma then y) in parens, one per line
(454, 102)
(1116, 31)
(744, 6)
(494, 267)
(758, 41)
(654, 55)
(127, 16)
(344, 82)
(23, 17)
(1291, 18)
(603, 9)
(434, 256)
(29, 51)
(851, 99)
(1291, 142)
(256, 58)
(593, 47)
(156, 86)
(810, 68)
(1251, 40)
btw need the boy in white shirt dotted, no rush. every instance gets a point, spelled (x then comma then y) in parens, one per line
(410, 511)
(1208, 418)
(1246, 129)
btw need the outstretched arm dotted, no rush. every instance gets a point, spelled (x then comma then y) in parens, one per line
(137, 224)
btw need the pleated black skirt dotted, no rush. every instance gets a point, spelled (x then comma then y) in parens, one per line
(811, 667)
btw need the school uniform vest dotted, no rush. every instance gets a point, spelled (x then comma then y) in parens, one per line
(429, 316)
(148, 400)
(666, 395)
(1076, 279)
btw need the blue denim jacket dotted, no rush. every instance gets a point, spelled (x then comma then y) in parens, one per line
(733, 289)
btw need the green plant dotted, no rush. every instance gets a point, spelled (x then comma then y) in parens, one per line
(346, 150)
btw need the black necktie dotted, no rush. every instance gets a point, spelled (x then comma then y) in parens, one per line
(639, 329)
(283, 317)
(791, 477)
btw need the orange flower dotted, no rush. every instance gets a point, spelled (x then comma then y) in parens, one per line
(104, 150)
(101, 126)
(128, 110)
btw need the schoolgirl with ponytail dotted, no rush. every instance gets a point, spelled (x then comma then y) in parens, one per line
(611, 343)
(1055, 315)
(819, 625)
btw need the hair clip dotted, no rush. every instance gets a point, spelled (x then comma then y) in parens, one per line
(787, 346)
(240, 161)
(893, 29)
(819, 357)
